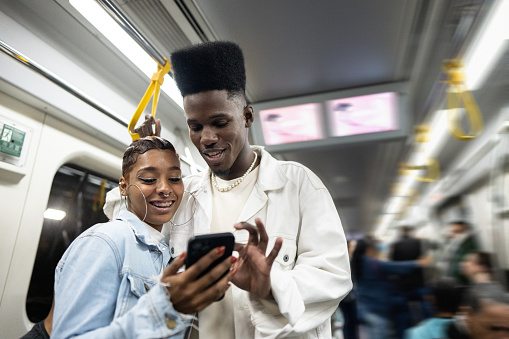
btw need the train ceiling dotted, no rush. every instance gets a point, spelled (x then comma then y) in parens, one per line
(292, 48)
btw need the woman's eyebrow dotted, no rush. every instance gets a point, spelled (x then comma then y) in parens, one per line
(151, 168)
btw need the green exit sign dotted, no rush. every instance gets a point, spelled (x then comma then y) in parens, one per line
(11, 140)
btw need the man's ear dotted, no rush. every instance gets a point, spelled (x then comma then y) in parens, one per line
(122, 186)
(248, 116)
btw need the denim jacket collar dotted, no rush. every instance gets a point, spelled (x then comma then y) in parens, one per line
(138, 227)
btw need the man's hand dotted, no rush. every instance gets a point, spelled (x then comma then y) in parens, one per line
(190, 294)
(145, 129)
(252, 271)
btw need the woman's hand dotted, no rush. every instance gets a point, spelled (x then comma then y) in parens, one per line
(190, 294)
(252, 271)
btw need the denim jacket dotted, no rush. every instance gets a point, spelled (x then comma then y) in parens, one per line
(107, 285)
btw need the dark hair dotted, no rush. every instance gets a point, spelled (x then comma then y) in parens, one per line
(407, 229)
(484, 260)
(217, 65)
(447, 295)
(141, 146)
(463, 223)
(360, 250)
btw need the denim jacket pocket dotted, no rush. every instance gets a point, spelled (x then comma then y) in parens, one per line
(139, 285)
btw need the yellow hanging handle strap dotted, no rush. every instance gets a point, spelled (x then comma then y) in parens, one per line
(99, 202)
(154, 88)
(432, 167)
(457, 93)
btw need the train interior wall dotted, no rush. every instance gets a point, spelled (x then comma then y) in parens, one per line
(25, 191)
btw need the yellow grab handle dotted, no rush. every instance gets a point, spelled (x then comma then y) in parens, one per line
(454, 115)
(432, 167)
(99, 202)
(457, 93)
(154, 88)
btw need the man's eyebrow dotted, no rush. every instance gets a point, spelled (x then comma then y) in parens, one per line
(215, 116)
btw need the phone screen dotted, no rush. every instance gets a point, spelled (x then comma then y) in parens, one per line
(200, 245)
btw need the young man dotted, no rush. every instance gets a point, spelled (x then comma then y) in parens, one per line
(311, 273)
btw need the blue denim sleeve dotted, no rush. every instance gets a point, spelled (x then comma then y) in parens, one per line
(87, 283)
(398, 267)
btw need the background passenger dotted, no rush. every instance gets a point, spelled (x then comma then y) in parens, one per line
(477, 267)
(112, 282)
(486, 309)
(348, 307)
(373, 287)
(446, 298)
(409, 288)
(42, 329)
(462, 241)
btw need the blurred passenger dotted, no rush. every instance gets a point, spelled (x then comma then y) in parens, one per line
(409, 288)
(446, 297)
(462, 242)
(486, 309)
(42, 329)
(477, 267)
(373, 287)
(348, 307)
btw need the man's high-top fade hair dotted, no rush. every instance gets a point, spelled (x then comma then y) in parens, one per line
(141, 146)
(217, 65)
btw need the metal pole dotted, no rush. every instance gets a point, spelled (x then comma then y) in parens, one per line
(120, 19)
(60, 82)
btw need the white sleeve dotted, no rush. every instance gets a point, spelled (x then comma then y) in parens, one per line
(113, 204)
(307, 295)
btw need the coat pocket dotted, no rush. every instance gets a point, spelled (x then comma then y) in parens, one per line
(287, 255)
(139, 285)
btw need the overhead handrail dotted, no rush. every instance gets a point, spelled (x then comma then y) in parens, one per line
(153, 89)
(457, 93)
(129, 28)
(163, 66)
(13, 53)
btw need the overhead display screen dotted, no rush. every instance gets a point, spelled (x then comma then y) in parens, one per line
(334, 118)
(292, 124)
(363, 114)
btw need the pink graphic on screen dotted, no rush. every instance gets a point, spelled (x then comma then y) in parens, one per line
(363, 114)
(291, 124)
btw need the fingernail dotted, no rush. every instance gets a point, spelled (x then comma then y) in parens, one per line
(220, 250)
(227, 287)
(182, 255)
(233, 260)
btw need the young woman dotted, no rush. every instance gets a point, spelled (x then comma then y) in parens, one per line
(112, 281)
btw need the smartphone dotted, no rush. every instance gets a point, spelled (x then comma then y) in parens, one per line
(200, 245)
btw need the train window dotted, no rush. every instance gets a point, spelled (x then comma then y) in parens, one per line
(76, 198)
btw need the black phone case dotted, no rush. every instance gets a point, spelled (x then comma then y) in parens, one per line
(200, 245)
